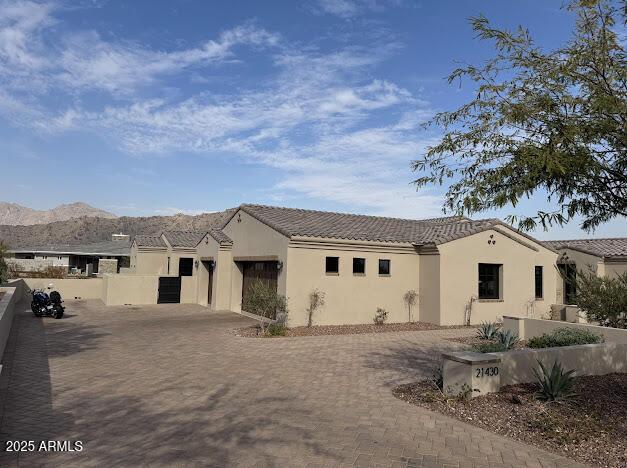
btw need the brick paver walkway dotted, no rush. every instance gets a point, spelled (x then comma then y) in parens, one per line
(172, 386)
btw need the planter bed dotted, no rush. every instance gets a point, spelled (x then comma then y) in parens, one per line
(475, 340)
(591, 428)
(319, 330)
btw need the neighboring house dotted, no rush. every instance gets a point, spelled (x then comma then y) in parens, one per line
(80, 259)
(605, 257)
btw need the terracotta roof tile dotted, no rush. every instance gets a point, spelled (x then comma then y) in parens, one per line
(185, 239)
(143, 240)
(610, 247)
(312, 223)
(220, 236)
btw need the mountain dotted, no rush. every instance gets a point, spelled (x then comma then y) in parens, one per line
(13, 214)
(90, 229)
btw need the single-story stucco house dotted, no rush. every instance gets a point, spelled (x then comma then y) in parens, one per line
(605, 257)
(86, 259)
(461, 268)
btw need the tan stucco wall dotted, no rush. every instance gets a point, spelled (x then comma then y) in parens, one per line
(527, 328)
(349, 299)
(253, 238)
(429, 288)
(583, 260)
(189, 290)
(592, 359)
(612, 269)
(129, 289)
(70, 288)
(149, 262)
(221, 289)
(176, 254)
(459, 261)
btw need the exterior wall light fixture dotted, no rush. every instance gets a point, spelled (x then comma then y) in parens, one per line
(279, 265)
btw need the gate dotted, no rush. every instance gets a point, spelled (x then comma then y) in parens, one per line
(169, 290)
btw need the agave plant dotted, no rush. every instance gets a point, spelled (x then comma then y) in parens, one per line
(507, 338)
(488, 330)
(555, 384)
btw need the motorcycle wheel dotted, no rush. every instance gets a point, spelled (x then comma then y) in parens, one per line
(57, 313)
(36, 310)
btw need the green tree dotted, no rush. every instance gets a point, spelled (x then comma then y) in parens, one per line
(603, 299)
(552, 122)
(4, 269)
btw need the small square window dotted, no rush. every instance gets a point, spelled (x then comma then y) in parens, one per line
(384, 267)
(539, 288)
(359, 266)
(332, 265)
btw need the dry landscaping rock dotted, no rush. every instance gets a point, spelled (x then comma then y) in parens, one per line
(591, 428)
(318, 330)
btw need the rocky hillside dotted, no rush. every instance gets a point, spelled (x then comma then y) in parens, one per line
(13, 214)
(89, 229)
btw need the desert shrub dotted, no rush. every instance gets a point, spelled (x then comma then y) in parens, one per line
(316, 301)
(410, 298)
(4, 268)
(507, 338)
(565, 336)
(381, 316)
(275, 329)
(491, 347)
(437, 377)
(603, 299)
(555, 384)
(488, 330)
(263, 300)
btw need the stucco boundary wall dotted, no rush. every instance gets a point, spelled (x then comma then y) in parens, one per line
(591, 359)
(13, 292)
(69, 288)
(129, 289)
(527, 328)
(487, 373)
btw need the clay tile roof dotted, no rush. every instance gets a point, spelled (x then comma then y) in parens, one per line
(149, 241)
(189, 239)
(220, 237)
(610, 247)
(310, 223)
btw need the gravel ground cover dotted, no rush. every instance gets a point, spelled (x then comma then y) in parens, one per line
(475, 340)
(591, 428)
(318, 330)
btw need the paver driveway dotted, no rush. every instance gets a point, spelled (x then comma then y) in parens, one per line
(172, 386)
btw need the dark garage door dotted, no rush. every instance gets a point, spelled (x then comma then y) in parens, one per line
(169, 290)
(264, 271)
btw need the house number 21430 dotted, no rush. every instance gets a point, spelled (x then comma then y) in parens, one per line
(486, 372)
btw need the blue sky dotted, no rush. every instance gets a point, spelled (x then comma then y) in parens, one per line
(157, 107)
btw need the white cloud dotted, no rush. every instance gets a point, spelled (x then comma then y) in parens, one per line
(311, 119)
(19, 23)
(343, 8)
(89, 62)
(84, 60)
(351, 8)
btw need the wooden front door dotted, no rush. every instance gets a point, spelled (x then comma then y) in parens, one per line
(264, 271)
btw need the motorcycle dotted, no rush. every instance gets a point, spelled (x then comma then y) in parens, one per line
(50, 305)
